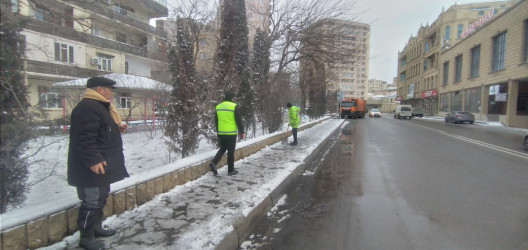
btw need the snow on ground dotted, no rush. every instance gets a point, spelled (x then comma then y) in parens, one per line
(47, 172)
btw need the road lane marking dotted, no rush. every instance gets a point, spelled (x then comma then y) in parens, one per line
(484, 144)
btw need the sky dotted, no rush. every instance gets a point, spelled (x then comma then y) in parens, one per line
(392, 23)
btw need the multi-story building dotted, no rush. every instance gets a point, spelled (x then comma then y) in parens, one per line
(351, 76)
(486, 71)
(377, 86)
(419, 62)
(257, 16)
(75, 39)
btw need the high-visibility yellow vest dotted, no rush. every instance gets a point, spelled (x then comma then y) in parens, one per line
(293, 114)
(226, 118)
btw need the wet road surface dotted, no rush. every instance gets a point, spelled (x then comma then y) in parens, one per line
(406, 184)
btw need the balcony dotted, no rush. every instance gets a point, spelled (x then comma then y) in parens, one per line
(59, 69)
(68, 33)
(128, 18)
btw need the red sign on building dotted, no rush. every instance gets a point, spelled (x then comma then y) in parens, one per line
(430, 93)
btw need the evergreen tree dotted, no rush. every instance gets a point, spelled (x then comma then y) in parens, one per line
(260, 65)
(232, 58)
(14, 112)
(183, 113)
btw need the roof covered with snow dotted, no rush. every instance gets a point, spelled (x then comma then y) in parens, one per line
(123, 81)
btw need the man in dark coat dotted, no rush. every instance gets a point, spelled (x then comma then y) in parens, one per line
(95, 157)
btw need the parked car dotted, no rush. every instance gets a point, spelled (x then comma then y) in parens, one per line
(403, 111)
(525, 142)
(418, 112)
(374, 113)
(460, 117)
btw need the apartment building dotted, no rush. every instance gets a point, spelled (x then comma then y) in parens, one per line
(486, 72)
(75, 39)
(377, 86)
(351, 75)
(419, 61)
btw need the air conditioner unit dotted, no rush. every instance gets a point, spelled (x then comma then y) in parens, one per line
(96, 61)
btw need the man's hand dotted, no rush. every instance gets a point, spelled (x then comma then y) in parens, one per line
(99, 168)
(242, 136)
(122, 127)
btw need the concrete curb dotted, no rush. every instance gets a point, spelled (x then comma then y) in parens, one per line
(243, 228)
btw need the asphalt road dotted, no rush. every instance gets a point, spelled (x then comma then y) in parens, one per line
(407, 184)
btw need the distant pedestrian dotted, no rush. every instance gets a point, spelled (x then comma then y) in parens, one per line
(228, 124)
(295, 121)
(95, 157)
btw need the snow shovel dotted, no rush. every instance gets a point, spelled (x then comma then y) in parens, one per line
(285, 139)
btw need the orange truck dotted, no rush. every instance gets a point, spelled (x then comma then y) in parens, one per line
(352, 108)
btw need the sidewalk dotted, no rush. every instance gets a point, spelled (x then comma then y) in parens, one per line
(215, 212)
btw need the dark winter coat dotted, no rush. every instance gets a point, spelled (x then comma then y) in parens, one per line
(94, 138)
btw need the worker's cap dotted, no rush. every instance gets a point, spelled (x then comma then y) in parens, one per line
(100, 82)
(228, 95)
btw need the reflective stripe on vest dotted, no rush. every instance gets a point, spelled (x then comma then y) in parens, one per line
(293, 114)
(226, 118)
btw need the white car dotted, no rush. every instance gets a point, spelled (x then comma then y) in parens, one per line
(374, 113)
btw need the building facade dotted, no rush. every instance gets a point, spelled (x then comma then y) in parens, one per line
(486, 73)
(75, 39)
(351, 77)
(419, 62)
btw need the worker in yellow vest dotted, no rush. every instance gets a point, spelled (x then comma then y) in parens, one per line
(228, 124)
(295, 121)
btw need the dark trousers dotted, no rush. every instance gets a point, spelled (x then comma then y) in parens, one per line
(294, 132)
(93, 200)
(227, 142)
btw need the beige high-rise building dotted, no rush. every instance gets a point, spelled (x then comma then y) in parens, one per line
(352, 77)
(419, 62)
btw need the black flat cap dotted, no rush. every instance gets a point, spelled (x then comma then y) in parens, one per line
(100, 82)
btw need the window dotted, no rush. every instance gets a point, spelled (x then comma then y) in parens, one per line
(202, 55)
(499, 52)
(63, 53)
(525, 59)
(447, 31)
(495, 105)
(475, 61)
(425, 65)
(472, 103)
(458, 68)
(49, 98)
(444, 102)
(403, 61)
(446, 74)
(105, 62)
(460, 29)
(124, 101)
(522, 99)
(402, 76)
(120, 37)
(426, 47)
(456, 101)
(203, 43)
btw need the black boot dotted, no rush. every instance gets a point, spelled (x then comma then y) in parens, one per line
(86, 222)
(88, 240)
(99, 230)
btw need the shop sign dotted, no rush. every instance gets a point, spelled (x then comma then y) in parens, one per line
(501, 97)
(474, 26)
(430, 93)
(494, 89)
